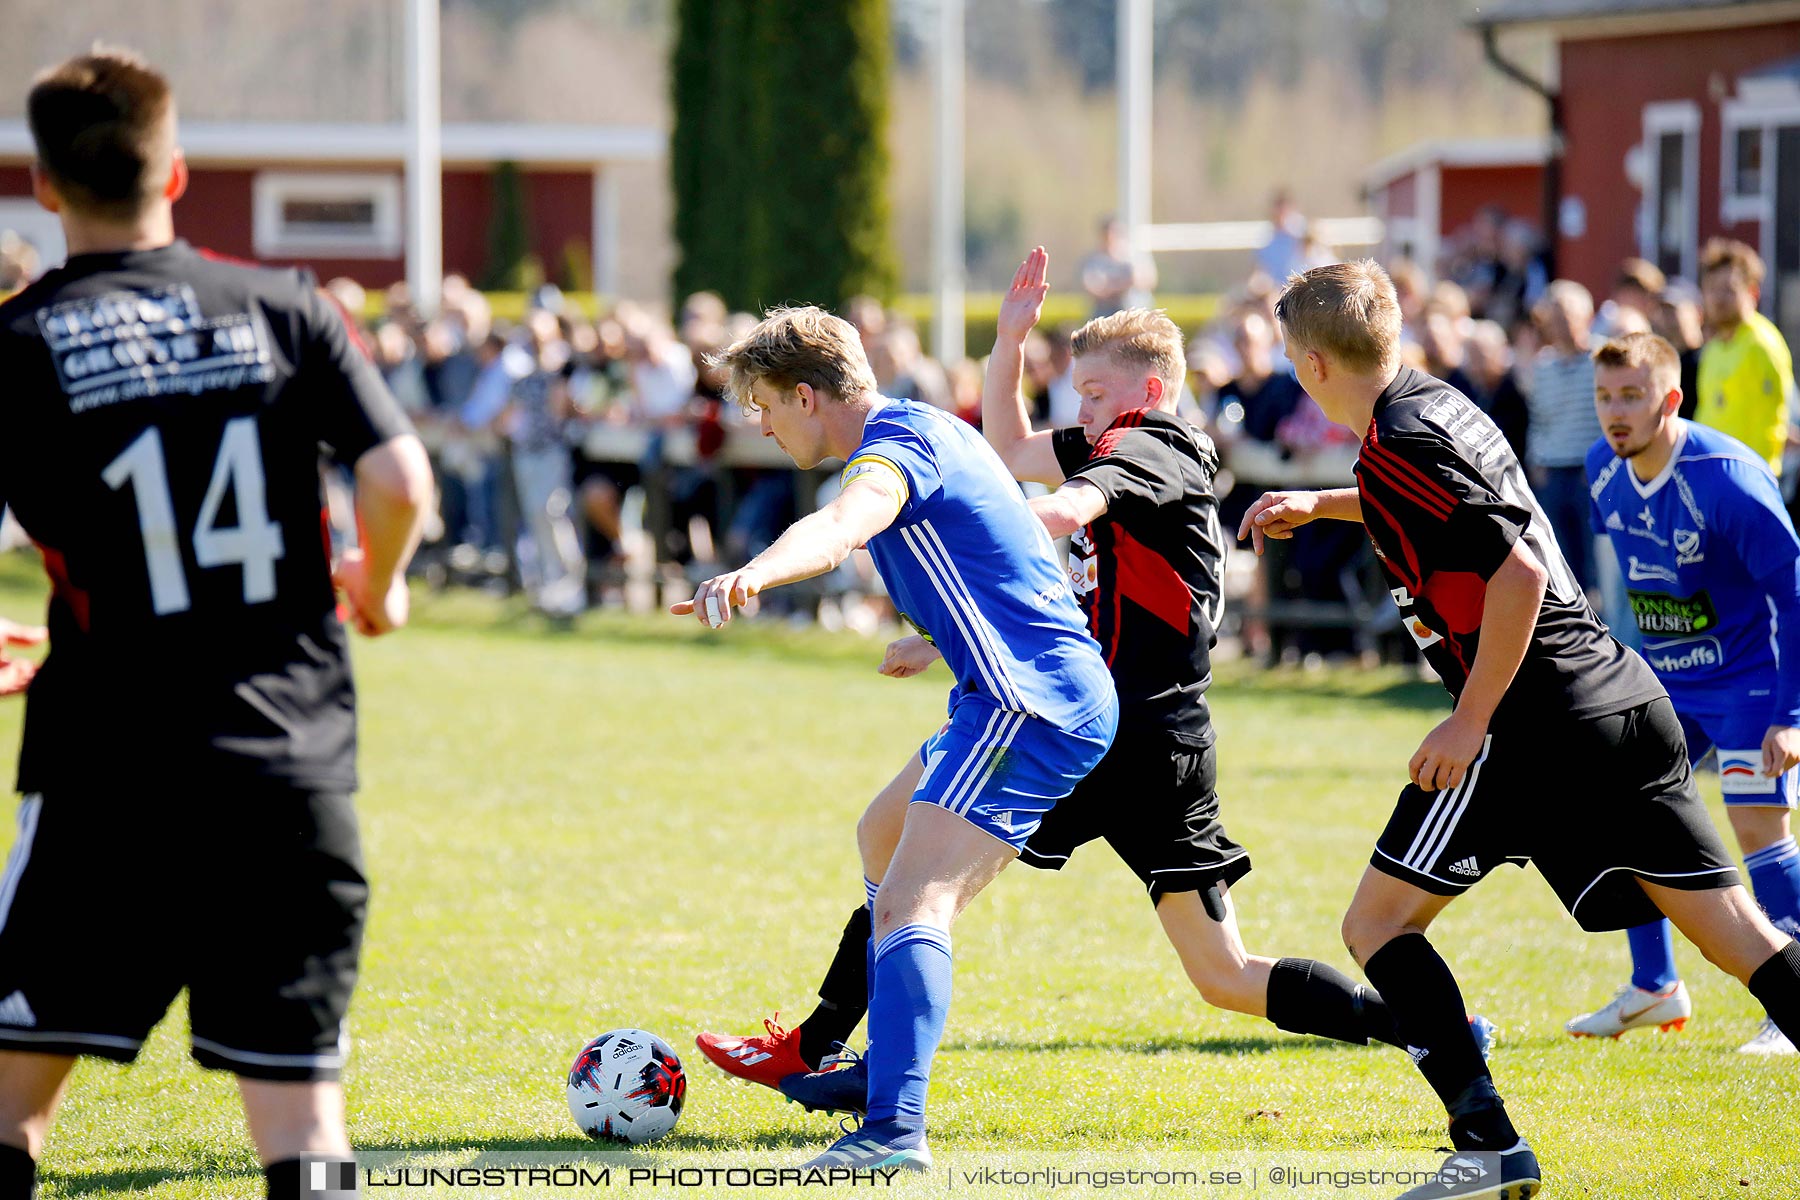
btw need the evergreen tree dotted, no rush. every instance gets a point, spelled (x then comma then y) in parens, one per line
(779, 152)
(707, 152)
(509, 243)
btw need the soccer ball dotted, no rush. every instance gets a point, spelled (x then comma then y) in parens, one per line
(626, 1086)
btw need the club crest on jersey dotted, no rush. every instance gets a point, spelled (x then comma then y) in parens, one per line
(1421, 633)
(1613, 521)
(1687, 547)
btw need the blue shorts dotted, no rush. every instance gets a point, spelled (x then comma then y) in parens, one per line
(1001, 770)
(1738, 738)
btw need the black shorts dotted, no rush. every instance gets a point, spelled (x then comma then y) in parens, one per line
(1595, 803)
(254, 901)
(1156, 803)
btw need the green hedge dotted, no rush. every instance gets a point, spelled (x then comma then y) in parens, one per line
(981, 312)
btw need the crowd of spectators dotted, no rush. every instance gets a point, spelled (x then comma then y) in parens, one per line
(578, 453)
(580, 457)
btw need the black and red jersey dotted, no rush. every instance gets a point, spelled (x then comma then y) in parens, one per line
(166, 414)
(1148, 571)
(1444, 500)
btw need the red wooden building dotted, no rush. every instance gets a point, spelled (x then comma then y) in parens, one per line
(1427, 193)
(331, 196)
(1677, 122)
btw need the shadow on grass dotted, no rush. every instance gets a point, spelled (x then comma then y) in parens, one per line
(1156, 1045)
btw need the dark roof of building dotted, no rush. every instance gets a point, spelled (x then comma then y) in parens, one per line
(1518, 12)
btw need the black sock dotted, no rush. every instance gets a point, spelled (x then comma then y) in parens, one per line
(283, 1179)
(18, 1174)
(1307, 996)
(1777, 984)
(844, 994)
(1434, 1028)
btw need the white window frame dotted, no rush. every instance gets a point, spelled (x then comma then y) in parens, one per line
(271, 189)
(1735, 117)
(1664, 117)
(1772, 115)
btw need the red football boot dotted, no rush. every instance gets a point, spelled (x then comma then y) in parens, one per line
(765, 1058)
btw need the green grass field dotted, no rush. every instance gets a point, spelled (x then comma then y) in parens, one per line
(639, 823)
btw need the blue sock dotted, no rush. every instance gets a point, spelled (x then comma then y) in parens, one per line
(1775, 880)
(1652, 956)
(906, 1021)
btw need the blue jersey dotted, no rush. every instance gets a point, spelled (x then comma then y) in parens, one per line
(969, 565)
(1711, 563)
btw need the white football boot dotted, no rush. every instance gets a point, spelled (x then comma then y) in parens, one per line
(1634, 1008)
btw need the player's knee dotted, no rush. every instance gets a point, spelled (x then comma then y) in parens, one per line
(1364, 934)
(1757, 827)
(871, 845)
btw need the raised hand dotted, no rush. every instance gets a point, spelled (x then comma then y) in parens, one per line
(1024, 301)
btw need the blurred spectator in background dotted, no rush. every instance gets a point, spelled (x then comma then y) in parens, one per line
(965, 390)
(1637, 289)
(1063, 402)
(19, 263)
(869, 317)
(538, 409)
(1115, 276)
(1314, 252)
(666, 395)
(1285, 252)
(1442, 344)
(1413, 293)
(1451, 299)
(1488, 368)
(350, 295)
(1265, 397)
(1676, 318)
(1563, 422)
(401, 367)
(1477, 263)
(905, 373)
(1746, 372)
(1522, 282)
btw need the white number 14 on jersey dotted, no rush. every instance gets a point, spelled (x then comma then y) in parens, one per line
(253, 543)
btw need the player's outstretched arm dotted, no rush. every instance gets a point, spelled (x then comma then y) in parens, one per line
(393, 492)
(1278, 514)
(1508, 617)
(811, 546)
(1069, 507)
(1004, 422)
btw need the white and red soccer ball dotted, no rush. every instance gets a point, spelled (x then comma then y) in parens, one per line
(626, 1086)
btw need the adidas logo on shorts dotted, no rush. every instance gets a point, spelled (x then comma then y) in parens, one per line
(15, 1011)
(1466, 866)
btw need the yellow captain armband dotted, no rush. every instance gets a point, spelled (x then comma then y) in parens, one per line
(879, 471)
